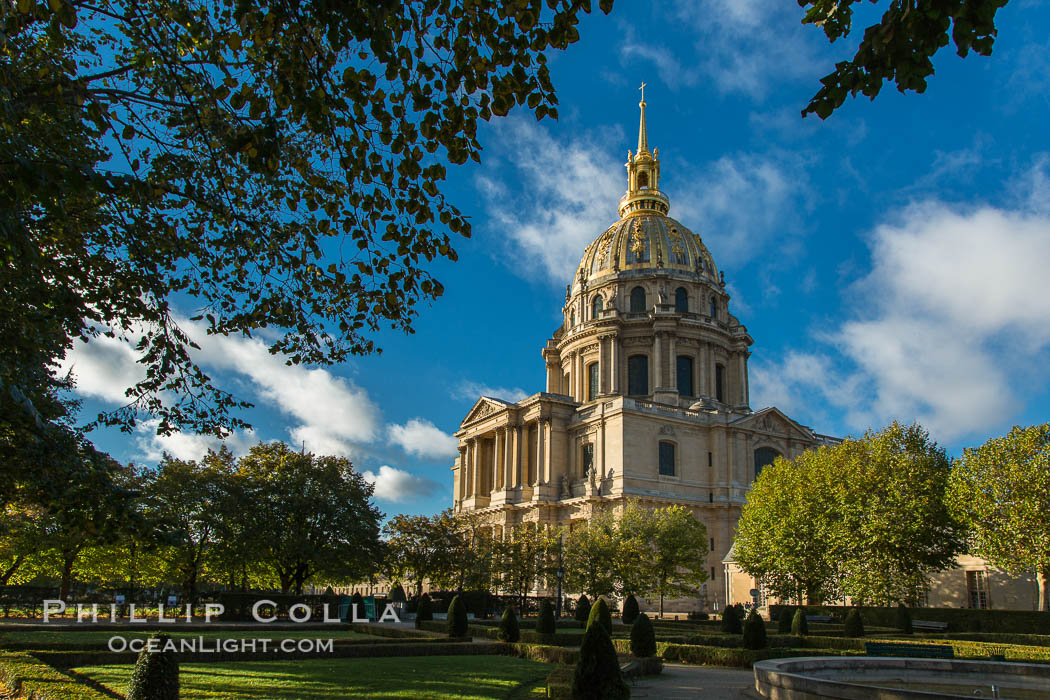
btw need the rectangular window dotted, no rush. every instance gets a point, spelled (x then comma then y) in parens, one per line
(587, 460)
(684, 369)
(712, 544)
(720, 380)
(710, 459)
(712, 573)
(638, 375)
(977, 589)
(592, 381)
(667, 459)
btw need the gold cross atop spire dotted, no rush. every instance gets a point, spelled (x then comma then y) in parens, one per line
(643, 137)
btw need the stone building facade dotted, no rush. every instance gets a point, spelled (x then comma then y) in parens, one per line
(646, 395)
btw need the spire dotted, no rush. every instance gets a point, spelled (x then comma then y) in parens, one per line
(643, 175)
(643, 137)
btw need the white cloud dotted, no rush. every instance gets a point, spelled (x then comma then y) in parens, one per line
(474, 390)
(104, 368)
(422, 438)
(669, 68)
(399, 486)
(749, 46)
(332, 414)
(743, 202)
(953, 328)
(187, 446)
(568, 194)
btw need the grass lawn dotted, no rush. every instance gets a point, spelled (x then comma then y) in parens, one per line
(422, 677)
(44, 637)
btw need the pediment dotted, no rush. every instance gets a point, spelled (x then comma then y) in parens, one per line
(484, 407)
(773, 421)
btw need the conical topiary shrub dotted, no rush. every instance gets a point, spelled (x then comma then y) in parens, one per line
(508, 626)
(156, 674)
(583, 609)
(424, 609)
(643, 638)
(397, 594)
(903, 619)
(597, 675)
(755, 632)
(787, 614)
(854, 625)
(600, 613)
(630, 610)
(731, 621)
(545, 622)
(357, 606)
(799, 626)
(457, 618)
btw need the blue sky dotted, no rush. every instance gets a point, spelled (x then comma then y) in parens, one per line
(890, 262)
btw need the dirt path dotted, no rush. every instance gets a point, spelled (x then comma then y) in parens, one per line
(679, 681)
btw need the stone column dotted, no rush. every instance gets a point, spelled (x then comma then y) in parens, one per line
(581, 390)
(472, 455)
(658, 375)
(539, 452)
(515, 456)
(499, 448)
(673, 367)
(545, 429)
(614, 365)
(462, 472)
(743, 379)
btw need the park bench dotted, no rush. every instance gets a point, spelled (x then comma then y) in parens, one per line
(922, 651)
(819, 618)
(929, 625)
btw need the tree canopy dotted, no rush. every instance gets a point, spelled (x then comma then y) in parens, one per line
(265, 164)
(1001, 490)
(871, 514)
(900, 46)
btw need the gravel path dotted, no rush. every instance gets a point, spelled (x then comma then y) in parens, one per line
(679, 681)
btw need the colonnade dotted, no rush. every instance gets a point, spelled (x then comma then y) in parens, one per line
(509, 457)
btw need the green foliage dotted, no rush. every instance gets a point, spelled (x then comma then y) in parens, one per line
(643, 638)
(810, 526)
(583, 609)
(545, 623)
(597, 675)
(1001, 490)
(899, 47)
(799, 624)
(424, 610)
(156, 674)
(508, 626)
(526, 554)
(731, 621)
(854, 623)
(421, 547)
(139, 177)
(34, 679)
(784, 620)
(755, 631)
(903, 619)
(457, 618)
(600, 615)
(587, 554)
(630, 610)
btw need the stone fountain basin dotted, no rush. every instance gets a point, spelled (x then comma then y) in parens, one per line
(893, 678)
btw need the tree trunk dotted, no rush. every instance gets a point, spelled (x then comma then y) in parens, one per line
(661, 604)
(1044, 588)
(12, 569)
(68, 557)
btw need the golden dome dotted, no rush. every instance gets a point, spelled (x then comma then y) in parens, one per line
(648, 241)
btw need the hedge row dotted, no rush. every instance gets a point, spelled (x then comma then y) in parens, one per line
(958, 619)
(529, 636)
(393, 632)
(24, 676)
(539, 652)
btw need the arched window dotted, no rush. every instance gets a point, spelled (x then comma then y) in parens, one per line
(586, 458)
(637, 300)
(720, 383)
(764, 456)
(667, 465)
(681, 300)
(643, 180)
(684, 369)
(638, 375)
(592, 381)
(596, 306)
(714, 308)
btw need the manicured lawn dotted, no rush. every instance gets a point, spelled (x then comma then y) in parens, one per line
(44, 637)
(422, 677)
